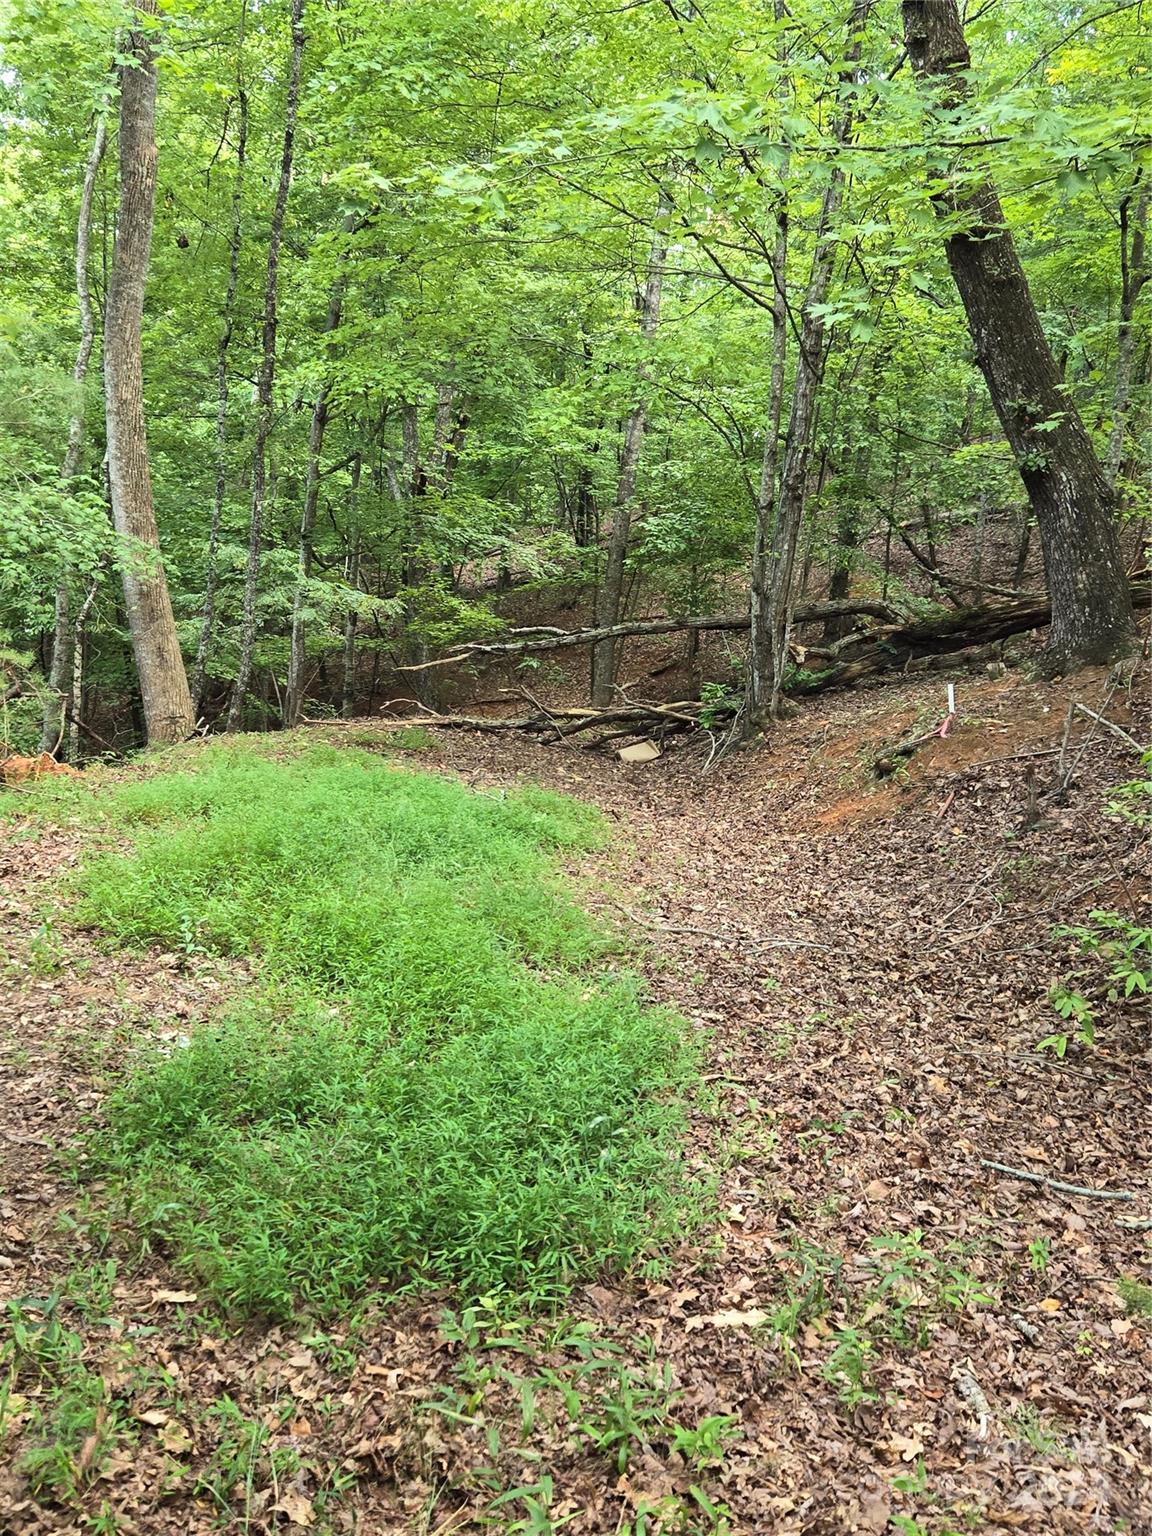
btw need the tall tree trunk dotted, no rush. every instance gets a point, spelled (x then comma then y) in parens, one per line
(267, 375)
(774, 600)
(1092, 619)
(352, 573)
(295, 689)
(76, 693)
(610, 592)
(60, 697)
(164, 692)
(212, 578)
(1133, 275)
(760, 637)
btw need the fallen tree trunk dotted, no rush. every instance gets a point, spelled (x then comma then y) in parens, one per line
(558, 639)
(629, 719)
(941, 643)
(900, 646)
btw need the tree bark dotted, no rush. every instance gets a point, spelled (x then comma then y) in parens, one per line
(60, 698)
(168, 715)
(267, 375)
(212, 579)
(1092, 619)
(610, 592)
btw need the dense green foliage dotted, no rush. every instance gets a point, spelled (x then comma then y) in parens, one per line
(483, 181)
(427, 1081)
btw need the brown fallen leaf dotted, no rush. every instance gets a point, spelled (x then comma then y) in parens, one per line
(751, 1318)
(175, 1438)
(297, 1506)
(173, 1298)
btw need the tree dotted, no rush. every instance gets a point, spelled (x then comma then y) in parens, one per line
(610, 591)
(267, 376)
(775, 547)
(167, 703)
(1092, 619)
(62, 697)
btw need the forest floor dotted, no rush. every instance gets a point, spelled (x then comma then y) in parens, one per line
(877, 1332)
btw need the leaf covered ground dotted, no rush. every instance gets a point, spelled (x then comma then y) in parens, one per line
(870, 1332)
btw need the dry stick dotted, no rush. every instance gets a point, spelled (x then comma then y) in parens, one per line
(1060, 779)
(82, 725)
(1111, 726)
(1056, 1184)
(1015, 757)
(713, 933)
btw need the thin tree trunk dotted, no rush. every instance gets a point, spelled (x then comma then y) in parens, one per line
(760, 638)
(76, 695)
(1023, 549)
(1133, 276)
(267, 374)
(212, 578)
(348, 684)
(766, 673)
(1092, 618)
(59, 700)
(164, 692)
(295, 689)
(610, 592)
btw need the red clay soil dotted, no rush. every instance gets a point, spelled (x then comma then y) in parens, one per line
(869, 966)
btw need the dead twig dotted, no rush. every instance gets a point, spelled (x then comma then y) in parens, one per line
(1057, 1184)
(1116, 730)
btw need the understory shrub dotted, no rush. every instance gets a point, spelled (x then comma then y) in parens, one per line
(433, 1079)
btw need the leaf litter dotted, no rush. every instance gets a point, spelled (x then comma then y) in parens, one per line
(877, 1334)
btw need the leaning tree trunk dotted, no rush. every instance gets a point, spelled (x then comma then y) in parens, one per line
(60, 697)
(774, 601)
(164, 692)
(1092, 619)
(212, 579)
(267, 375)
(610, 592)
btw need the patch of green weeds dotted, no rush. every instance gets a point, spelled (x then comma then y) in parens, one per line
(75, 1422)
(889, 1299)
(432, 1080)
(598, 1402)
(1043, 1434)
(1039, 1253)
(1136, 1296)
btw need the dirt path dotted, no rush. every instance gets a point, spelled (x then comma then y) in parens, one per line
(893, 1331)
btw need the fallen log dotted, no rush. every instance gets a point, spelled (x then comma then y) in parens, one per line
(552, 639)
(891, 644)
(896, 647)
(941, 642)
(629, 719)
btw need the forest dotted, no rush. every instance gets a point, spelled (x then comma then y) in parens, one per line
(575, 767)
